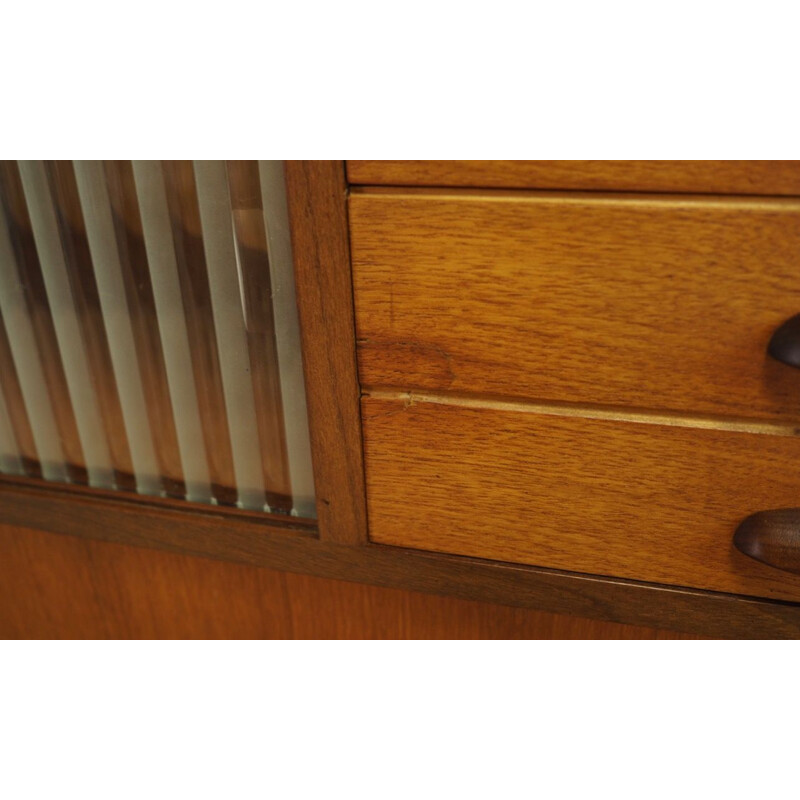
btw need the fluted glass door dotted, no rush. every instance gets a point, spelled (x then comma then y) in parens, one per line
(149, 339)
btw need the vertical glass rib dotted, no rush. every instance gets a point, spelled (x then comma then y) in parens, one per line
(86, 299)
(35, 306)
(253, 261)
(215, 214)
(10, 460)
(15, 408)
(144, 321)
(287, 335)
(108, 274)
(22, 343)
(65, 319)
(196, 295)
(172, 324)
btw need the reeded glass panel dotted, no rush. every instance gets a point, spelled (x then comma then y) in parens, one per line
(149, 339)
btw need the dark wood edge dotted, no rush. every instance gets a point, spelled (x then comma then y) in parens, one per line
(317, 195)
(258, 540)
(357, 181)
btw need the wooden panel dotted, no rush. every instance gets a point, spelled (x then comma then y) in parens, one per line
(649, 303)
(261, 540)
(62, 587)
(653, 502)
(723, 177)
(318, 216)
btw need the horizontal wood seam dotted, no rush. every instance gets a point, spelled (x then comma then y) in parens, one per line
(586, 411)
(748, 201)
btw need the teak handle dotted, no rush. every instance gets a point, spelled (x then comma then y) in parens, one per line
(773, 537)
(784, 345)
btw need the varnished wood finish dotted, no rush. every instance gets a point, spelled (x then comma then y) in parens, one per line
(64, 587)
(646, 501)
(717, 177)
(258, 540)
(638, 301)
(772, 537)
(318, 216)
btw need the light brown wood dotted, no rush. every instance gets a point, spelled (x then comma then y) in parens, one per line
(318, 216)
(652, 502)
(652, 303)
(62, 587)
(723, 177)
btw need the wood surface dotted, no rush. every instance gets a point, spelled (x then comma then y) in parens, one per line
(722, 177)
(64, 587)
(654, 303)
(652, 502)
(260, 540)
(318, 217)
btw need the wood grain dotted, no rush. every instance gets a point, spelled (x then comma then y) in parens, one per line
(318, 217)
(643, 302)
(653, 502)
(64, 587)
(258, 540)
(716, 177)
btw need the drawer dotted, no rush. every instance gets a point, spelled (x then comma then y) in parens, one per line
(647, 303)
(720, 177)
(639, 498)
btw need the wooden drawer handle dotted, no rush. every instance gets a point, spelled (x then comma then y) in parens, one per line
(772, 537)
(785, 342)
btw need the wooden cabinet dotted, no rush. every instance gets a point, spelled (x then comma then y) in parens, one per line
(539, 384)
(579, 380)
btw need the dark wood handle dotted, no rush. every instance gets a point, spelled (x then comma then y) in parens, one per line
(772, 537)
(785, 342)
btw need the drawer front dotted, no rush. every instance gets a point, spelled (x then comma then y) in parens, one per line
(645, 303)
(717, 177)
(623, 498)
